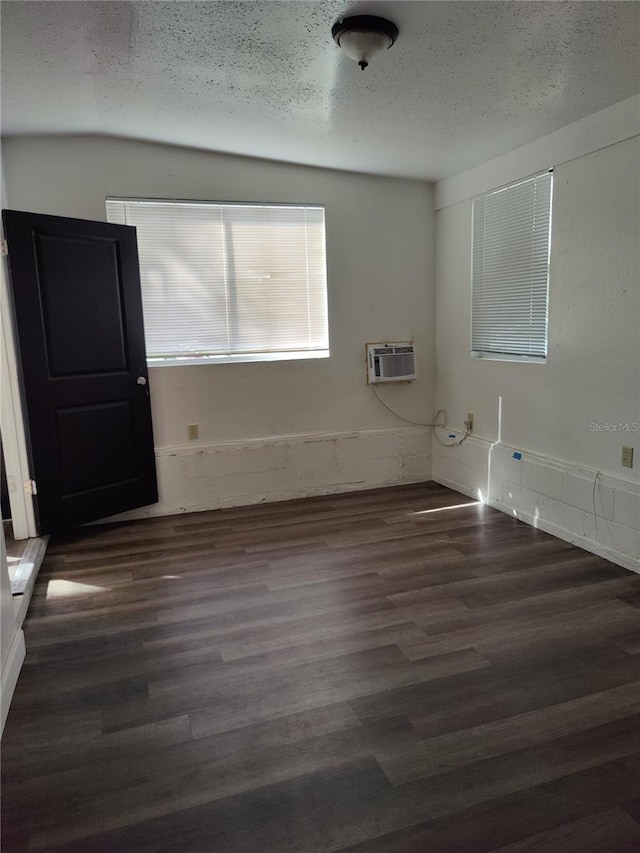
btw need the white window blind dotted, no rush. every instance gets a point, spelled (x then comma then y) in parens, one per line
(510, 270)
(229, 282)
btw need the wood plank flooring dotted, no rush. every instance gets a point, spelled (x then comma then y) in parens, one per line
(392, 671)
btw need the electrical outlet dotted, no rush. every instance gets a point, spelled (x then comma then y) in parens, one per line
(627, 456)
(468, 424)
(194, 431)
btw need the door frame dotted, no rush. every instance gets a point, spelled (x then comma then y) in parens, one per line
(12, 425)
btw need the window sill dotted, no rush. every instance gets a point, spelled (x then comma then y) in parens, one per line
(190, 361)
(500, 356)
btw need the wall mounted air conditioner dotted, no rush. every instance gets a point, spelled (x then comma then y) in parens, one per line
(391, 362)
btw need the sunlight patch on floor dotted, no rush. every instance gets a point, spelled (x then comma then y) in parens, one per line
(443, 508)
(65, 589)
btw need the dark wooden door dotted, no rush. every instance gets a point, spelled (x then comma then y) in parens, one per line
(78, 315)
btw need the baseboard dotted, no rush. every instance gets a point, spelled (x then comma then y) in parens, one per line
(161, 510)
(599, 512)
(10, 673)
(568, 536)
(457, 487)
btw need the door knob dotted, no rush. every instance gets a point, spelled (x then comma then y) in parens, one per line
(141, 380)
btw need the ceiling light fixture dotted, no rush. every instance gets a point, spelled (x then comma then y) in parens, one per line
(363, 37)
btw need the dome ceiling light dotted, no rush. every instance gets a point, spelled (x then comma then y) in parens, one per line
(363, 37)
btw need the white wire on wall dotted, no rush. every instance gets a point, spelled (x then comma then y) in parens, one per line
(435, 425)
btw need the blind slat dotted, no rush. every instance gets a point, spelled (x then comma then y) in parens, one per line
(510, 269)
(225, 279)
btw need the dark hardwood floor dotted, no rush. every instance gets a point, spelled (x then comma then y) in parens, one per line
(393, 671)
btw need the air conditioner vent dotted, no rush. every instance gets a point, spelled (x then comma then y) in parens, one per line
(391, 362)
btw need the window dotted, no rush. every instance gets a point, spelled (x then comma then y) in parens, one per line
(510, 271)
(229, 282)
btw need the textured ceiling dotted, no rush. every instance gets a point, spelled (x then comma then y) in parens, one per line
(465, 81)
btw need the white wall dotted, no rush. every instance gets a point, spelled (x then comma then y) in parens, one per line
(592, 375)
(380, 280)
(616, 123)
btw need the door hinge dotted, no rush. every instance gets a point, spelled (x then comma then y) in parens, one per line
(4, 248)
(30, 487)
